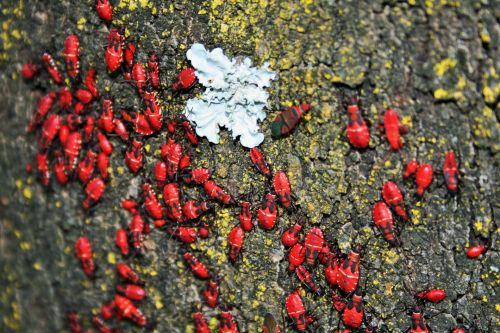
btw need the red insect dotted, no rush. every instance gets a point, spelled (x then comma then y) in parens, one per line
(88, 129)
(211, 293)
(83, 251)
(450, 171)
(153, 72)
(382, 217)
(198, 176)
(29, 71)
(259, 162)
(193, 209)
(63, 134)
(126, 272)
(227, 323)
(203, 231)
(120, 129)
(282, 189)
(185, 80)
(214, 191)
(94, 190)
(296, 311)
(60, 169)
(349, 271)
(357, 131)
(338, 302)
(458, 330)
(102, 164)
(314, 242)
(72, 149)
(160, 173)
(200, 323)
(151, 203)
(411, 168)
(185, 162)
(270, 324)
(172, 200)
(190, 133)
(296, 256)
(235, 240)
(139, 76)
(131, 205)
(114, 50)
(79, 108)
(105, 121)
(198, 269)
(246, 216)
(28, 168)
(74, 325)
(50, 129)
(153, 111)
(65, 98)
(267, 214)
(90, 82)
(104, 143)
(71, 55)
(43, 168)
(393, 129)
(133, 156)
(136, 227)
(291, 236)
(171, 154)
(129, 55)
(423, 178)
(476, 250)
(186, 234)
(84, 96)
(331, 270)
(99, 323)
(44, 105)
(121, 241)
(51, 67)
(433, 295)
(417, 322)
(354, 312)
(73, 121)
(392, 195)
(286, 120)
(171, 125)
(86, 166)
(104, 10)
(131, 291)
(127, 309)
(307, 279)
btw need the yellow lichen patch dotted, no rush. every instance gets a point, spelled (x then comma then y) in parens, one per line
(80, 24)
(444, 65)
(37, 266)
(111, 258)
(390, 256)
(25, 246)
(27, 193)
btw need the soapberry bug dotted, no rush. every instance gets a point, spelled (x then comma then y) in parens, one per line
(51, 67)
(382, 217)
(71, 55)
(235, 240)
(354, 311)
(185, 80)
(450, 171)
(393, 197)
(357, 130)
(259, 162)
(114, 50)
(291, 236)
(211, 293)
(94, 189)
(268, 213)
(410, 168)
(121, 241)
(153, 72)
(131, 291)
(104, 10)
(349, 271)
(423, 178)
(393, 129)
(126, 272)
(83, 251)
(127, 309)
(282, 189)
(286, 120)
(313, 242)
(432, 295)
(198, 269)
(214, 191)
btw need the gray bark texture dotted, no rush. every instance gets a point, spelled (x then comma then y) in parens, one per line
(435, 62)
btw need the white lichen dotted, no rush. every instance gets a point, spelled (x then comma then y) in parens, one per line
(235, 96)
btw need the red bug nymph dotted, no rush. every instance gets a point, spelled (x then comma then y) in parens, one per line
(393, 129)
(185, 80)
(227, 323)
(136, 229)
(127, 273)
(282, 189)
(83, 251)
(153, 72)
(291, 236)
(172, 200)
(193, 209)
(354, 311)
(314, 242)
(235, 241)
(211, 293)
(104, 10)
(423, 178)
(296, 311)
(114, 50)
(382, 217)
(432, 295)
(94, 190)
(393, 197)
(151, 203)
(90, 82)
(198, 269)
(72, 149)
(246, 216)
(51, 67)
(121, 241)
(71, 55)
(417, 322)
(286, 120)
(307, 279)
(133, 156)
(214, 191)
(296, 256)
(410, 168)
(357, 130)
(171, 154)
(259, 162)
(200, 323)
(349, 271)
(127, 309)
(268, 212)
(132, 291)
(450, 171)
(139, 76)
(476, 250)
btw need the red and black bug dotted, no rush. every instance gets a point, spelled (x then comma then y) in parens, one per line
(51, 67)
(393, 197)
(450, 171)
(50, 129)
(211, 293)
(235, 241)
(88, 128)
(313, 242)
(99, 323)
(60, 172)
(267, 214)
(418, 324)
(423, 178)
(259, 162)
(29, 70)
(171, 154)
(153, 72)
(291, 236)
(151, 203)
(44, 105)
(90, 82)
(127, 309)
(354, 311)
(227, 323)
(130, 205)
(185, 234)
(349, 271)
(393, 129)
(357, 130)
(296, 311)
(476, 250)
(121, 241)
(198, 269)
(432, 295)
(102, 164)
(410, 168)
(71, 55)
(86, 166)
(286, 120)
(94, 190)
(185, 80)
(172, 200)
(153, 111)
(104, 143)
(139, 76)
(307, 279)
(160, 173)
(65, 98)
(200, 323)
(133, 156)
(83, 251)
(136, 230)
(282, 189)
(132, 291)
(382, 217)
(73, 322)
(331, 271)
(114, 50)
(190, 133)
(72, 149)
(104, 10)
(126, 272)
(193, 209)
(105, 121)
(198, 176)
(63, 134)
(214, 191)
(296, 256)
(246, 216)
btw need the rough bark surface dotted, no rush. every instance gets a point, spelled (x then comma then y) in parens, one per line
(435, 62)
